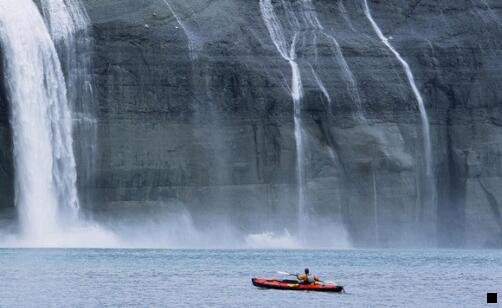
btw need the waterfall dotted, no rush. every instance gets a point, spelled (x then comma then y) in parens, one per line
(345, 14)
(45, 177)
(192, 39)
(375, 205)
(320, 84)
(352, 87)
(68, 25)
(276, 32)
(430, 186)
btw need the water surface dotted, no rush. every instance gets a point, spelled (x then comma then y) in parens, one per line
(95, 278)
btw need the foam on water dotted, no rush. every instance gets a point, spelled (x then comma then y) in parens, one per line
(271, 240)
(81, 236)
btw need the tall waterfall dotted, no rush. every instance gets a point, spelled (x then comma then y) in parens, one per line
(430, 186)
(287, 50)
(41, 120)
(68, 25)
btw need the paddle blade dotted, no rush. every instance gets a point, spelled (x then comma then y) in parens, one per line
(284, 273)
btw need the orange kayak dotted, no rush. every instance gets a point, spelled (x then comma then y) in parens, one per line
(295, 285)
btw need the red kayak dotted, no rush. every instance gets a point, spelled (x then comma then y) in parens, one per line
(294, 285)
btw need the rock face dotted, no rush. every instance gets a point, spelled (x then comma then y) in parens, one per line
(195, 108)
(6, 166)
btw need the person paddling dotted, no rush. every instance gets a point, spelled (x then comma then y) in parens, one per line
(307, 278)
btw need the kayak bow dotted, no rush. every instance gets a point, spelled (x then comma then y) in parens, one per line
(295, 285)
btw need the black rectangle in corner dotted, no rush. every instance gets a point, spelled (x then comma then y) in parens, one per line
(491, 298)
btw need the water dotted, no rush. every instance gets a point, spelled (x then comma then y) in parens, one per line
(193, 41)
(216, 278)
(375, 206)
(430, 185)
(345, 14)
(293, 26)
(320, 84)
(68, 25)
(42, 125)
(352, 87)
(288, 53)
(45, 179)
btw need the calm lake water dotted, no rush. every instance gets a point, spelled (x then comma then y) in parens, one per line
(153, 278)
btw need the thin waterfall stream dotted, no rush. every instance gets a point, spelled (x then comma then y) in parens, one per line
(247, 124)
(278, 37)
(305, 20)
(352, 87)
(375, 205)
(191, 37)
(430, 184)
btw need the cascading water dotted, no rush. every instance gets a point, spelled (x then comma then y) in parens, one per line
(430, 186)
(375, 206)
(320, 84)
(295, 24)
(68, 25)
(41, 120)
(278, 37)
(312, 19)
(345, 14)
(192, 39)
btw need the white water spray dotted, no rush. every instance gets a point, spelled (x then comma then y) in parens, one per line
(276, 32)
(68, 25)
(270, 240)
(430, 193)
(64, 19)
(41, 119)
(45, 168)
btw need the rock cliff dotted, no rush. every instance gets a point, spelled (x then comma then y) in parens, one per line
(194, 107)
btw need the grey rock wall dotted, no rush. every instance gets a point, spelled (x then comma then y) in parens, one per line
(199, 113)
(6, 166)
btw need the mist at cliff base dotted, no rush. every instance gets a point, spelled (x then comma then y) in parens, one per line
(172, 226)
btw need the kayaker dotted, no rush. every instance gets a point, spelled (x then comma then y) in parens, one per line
(307, 278)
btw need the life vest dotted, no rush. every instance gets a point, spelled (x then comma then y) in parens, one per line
(310, 279)
(307, 278)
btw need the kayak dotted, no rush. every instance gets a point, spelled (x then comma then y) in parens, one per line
(295, 285)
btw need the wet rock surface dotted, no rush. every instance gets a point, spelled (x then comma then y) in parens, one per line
(194, 107)
(6, 166)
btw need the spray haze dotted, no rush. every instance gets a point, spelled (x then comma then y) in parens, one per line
(249, 124)
(41, 118)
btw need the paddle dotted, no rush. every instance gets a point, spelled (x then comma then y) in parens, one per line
(286, 273)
